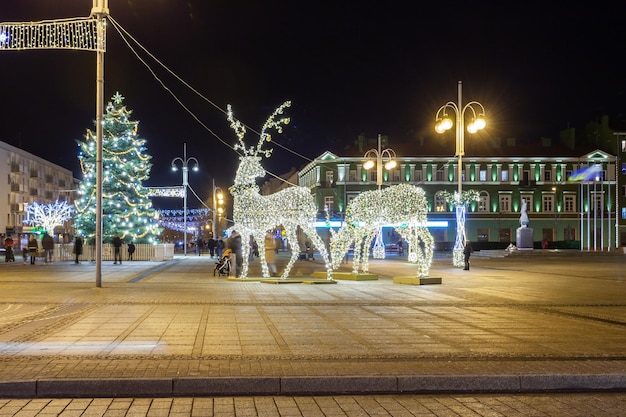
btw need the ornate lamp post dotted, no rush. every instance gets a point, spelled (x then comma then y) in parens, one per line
(387, 158)
(443, 123)
(384, 157)
(218, 206)
(185, 166)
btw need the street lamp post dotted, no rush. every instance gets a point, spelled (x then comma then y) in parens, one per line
(185, 166)
(218, 202)
(443, 123)
(384, 157)
(387, 158)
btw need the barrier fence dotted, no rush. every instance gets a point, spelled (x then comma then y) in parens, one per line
(143, 252)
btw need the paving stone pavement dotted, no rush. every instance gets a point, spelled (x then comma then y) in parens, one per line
(545, 321)
(485, 405)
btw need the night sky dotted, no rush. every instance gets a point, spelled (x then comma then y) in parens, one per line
(348, 67)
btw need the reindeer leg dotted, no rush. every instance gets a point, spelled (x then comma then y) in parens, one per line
(293, 242)
(358, 243)
(264, 270)
(319, 244)
(366, 250)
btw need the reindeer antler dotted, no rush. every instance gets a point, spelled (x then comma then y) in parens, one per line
(240, 131)
(270, 123)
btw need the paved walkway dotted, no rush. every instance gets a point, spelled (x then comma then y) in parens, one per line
(537, 322)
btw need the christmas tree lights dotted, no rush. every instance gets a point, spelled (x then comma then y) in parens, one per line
(127, 209)
(255, 214)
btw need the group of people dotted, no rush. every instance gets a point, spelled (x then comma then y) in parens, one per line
(30, 248)
(117, 249)
(214, 246)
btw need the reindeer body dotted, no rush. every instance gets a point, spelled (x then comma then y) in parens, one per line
(403, 206)
(254, 214)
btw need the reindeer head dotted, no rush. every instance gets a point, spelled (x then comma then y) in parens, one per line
(250, 167)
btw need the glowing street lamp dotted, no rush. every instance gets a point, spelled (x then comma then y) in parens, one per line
(475, 112)
(384, 157)
(185, 165)
(218, 206)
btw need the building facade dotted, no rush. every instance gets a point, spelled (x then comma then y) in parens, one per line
(29, 179)
(584, 214)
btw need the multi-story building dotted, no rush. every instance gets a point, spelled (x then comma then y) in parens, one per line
(29, 179)
(587, 214)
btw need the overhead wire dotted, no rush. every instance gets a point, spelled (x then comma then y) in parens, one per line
(124, 32)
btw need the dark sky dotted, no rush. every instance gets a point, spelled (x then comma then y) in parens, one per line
(348, 67)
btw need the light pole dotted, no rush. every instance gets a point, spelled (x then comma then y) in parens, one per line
(387, 158)
(443, 123)
(185, 165)
(384, 157)
(218, 202)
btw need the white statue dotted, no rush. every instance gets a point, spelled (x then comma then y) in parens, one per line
(523, 218)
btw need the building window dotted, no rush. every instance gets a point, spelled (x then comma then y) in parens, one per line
(330, 178)
(329, 203)
(482, 235)
(548, 203)
(505, 203)
(439, 175)
(482, 175)
(569, 203)
(483, 202)
(418, 176)
(529, 202)
(504, 175)
(547, 175)
(352, 175)
(395, 174)
(440, 203)
(598, 199)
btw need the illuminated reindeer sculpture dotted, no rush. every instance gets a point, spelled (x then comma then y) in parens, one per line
(404, 206)
(254, 214)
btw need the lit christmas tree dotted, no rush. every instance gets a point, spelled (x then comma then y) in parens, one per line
(126, 207)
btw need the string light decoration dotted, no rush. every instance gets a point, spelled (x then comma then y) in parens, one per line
(127, 210)
(75, 34)
(405, 207)
(48, 216)
(460, 203)
(254, 214)
(167, 192)
(174, 219)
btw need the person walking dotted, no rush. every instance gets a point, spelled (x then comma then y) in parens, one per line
(219, 248)
(270, 253)
(117, 246)
(47, 244)
(211, 246)
(199, 245)
(234, 244)
(131, 250)
(78, 248)
(33, 247)
(467, 252)
(24, 246)
(9, 256)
